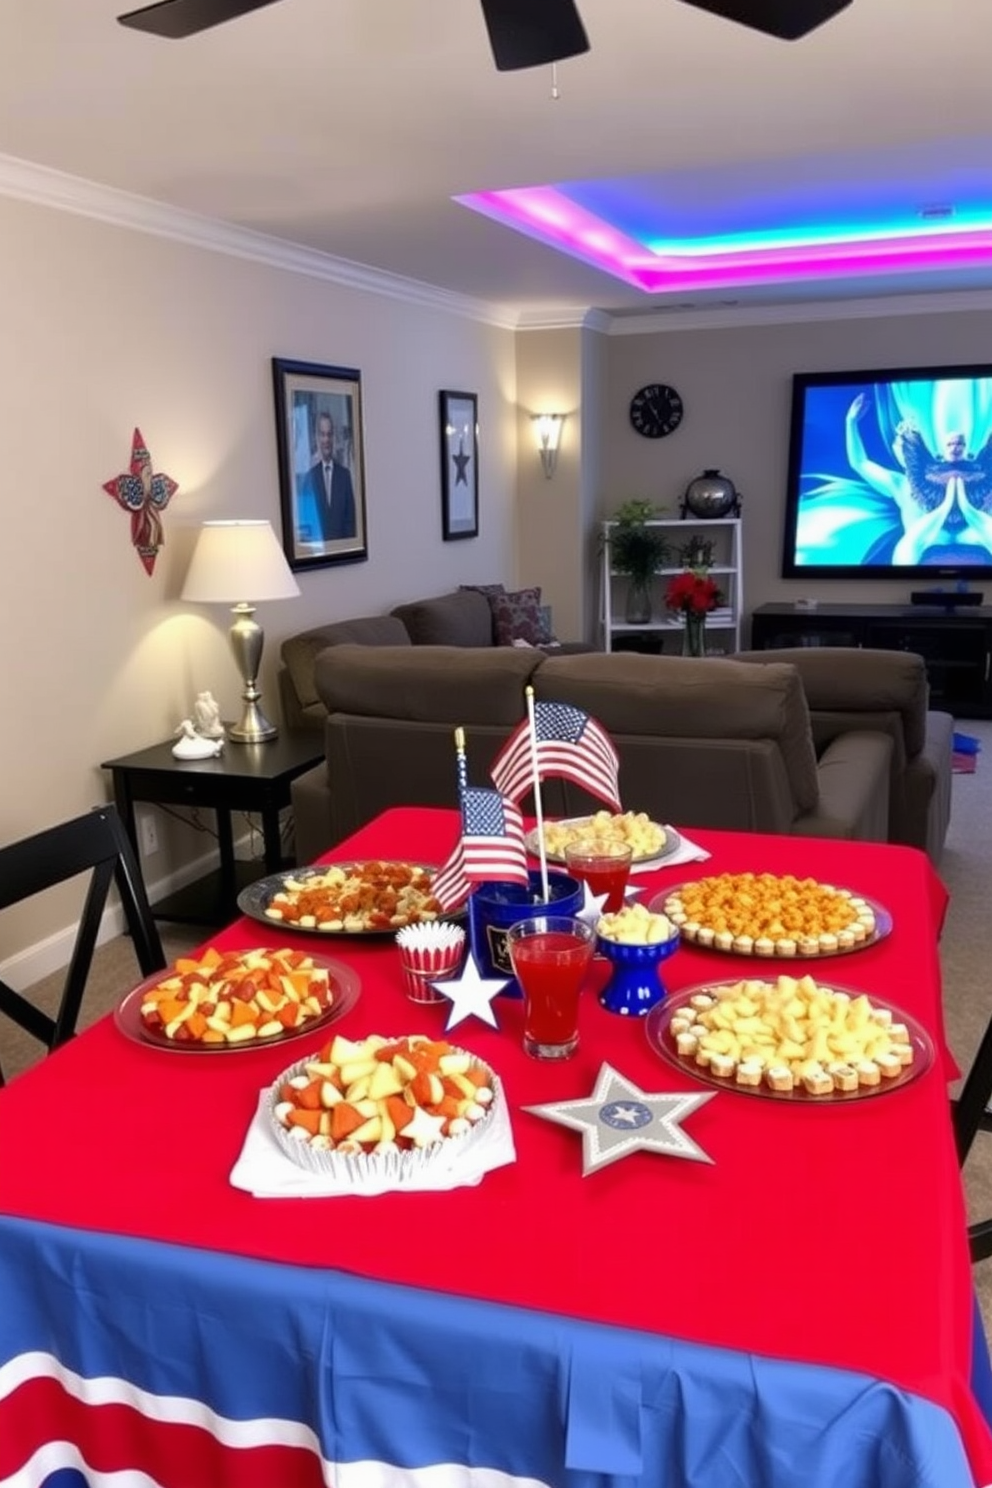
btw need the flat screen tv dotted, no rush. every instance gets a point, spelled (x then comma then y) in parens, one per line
(890, 475)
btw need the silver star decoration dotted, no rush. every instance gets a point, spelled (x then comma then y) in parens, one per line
(471, 995)
(592, 906)
(619, 1118)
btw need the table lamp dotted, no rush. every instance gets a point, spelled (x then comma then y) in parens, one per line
(235, 563)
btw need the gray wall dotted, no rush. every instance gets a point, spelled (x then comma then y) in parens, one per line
(736, 384)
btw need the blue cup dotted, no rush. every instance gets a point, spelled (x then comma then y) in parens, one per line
(494, 907)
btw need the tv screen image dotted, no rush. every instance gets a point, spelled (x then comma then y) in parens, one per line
(890, 474)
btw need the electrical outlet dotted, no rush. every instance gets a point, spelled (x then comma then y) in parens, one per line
(148, 833)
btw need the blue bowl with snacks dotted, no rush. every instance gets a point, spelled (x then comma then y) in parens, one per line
(636, 983)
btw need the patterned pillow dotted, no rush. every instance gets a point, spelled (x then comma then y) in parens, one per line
(517, 617)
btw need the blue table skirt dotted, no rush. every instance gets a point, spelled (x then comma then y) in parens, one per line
(140, 1355)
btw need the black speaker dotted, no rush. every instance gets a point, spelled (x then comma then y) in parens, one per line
(788, 19)
(947, 599)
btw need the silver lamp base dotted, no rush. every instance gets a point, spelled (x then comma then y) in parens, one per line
(247, 640)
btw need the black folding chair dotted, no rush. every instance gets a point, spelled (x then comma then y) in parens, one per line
(96, 843)
(971, 1115)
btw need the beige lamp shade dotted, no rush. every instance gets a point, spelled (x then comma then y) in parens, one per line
(235, 561)
(239, 563)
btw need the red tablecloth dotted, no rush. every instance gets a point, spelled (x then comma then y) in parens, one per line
(834, 1235)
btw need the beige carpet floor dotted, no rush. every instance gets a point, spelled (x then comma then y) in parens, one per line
(966, 957)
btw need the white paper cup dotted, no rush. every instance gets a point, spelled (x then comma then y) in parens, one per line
(431, 952)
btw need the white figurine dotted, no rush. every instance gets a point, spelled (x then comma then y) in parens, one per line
(208, 724)
(192, 746)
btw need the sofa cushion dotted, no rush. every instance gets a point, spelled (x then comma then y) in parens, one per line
(299, 652)
(859, 680)
(682, 697)
(462, 618)
(517, 617)
(430, 684)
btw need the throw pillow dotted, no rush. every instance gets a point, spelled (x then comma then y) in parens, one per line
(517, 616)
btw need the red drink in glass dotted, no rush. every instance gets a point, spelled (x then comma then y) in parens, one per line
(604, 866)
(550, 956)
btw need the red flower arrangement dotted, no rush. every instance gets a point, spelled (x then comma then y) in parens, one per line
(692, 593)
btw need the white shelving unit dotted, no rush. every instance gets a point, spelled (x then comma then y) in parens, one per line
(723, 626)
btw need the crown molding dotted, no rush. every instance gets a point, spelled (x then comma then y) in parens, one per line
(567, 318)
(797, 313)
(42, 186)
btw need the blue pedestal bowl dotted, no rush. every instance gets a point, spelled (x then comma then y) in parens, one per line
(635, 984)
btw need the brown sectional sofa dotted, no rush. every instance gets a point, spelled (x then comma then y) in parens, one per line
(884, 690)
(462, 618)
(720, 743)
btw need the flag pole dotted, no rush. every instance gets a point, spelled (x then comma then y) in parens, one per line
(538, 808)
(461, 766)
(474, 929)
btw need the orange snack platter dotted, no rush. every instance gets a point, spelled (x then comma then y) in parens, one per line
(229, 1000)
(374, 897)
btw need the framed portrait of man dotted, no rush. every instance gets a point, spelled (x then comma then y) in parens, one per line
(320, 442)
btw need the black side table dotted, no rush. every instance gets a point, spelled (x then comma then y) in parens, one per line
(245, 777)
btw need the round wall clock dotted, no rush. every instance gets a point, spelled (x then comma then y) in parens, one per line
(656, 410)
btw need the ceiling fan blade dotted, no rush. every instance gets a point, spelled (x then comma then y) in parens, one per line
(530, 33)
(787, 19)
(178, 18)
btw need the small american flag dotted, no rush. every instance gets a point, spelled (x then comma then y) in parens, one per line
(570, 744)
(491, 846)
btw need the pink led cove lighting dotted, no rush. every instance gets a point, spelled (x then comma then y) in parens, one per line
(547, 214)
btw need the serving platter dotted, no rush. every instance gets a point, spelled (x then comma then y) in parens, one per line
(657, 1028)
(259, 899)
(346, 988)
(883, 927)
(668, 849)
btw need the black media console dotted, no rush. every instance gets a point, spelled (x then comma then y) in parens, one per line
(955, 644)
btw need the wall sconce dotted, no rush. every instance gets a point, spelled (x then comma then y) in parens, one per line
(547, 428)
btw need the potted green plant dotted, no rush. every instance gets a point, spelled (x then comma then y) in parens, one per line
(637, 550)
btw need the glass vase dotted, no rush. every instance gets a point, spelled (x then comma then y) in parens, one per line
(693, 635)
(638, 611)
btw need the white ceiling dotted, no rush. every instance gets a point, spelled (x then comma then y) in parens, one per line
(347, 126)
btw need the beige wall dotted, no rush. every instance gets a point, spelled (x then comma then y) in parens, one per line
(105, 328)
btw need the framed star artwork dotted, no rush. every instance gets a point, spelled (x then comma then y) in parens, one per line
(459, 422)
(321, 445)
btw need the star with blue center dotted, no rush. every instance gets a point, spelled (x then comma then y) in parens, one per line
(471, 995)
(620, 1118)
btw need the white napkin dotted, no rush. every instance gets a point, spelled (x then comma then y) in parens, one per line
(688, 852)
(264, 1170)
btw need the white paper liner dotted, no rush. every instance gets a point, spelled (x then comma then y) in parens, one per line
(273, 1165)
(687, 852)
(432, 936)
